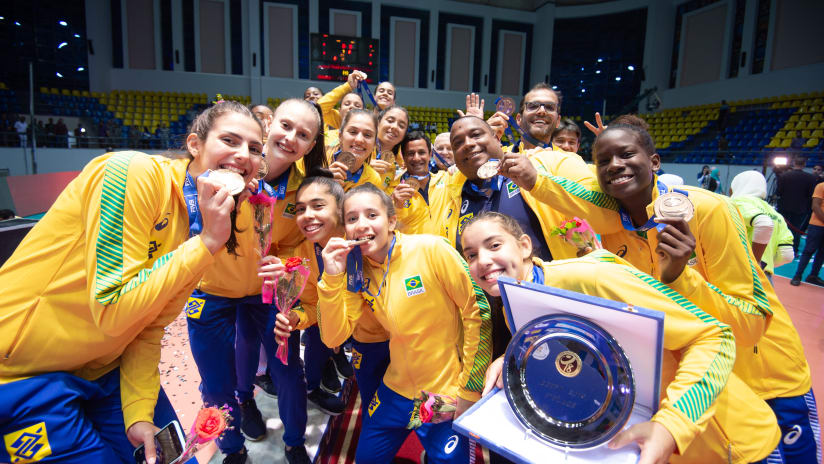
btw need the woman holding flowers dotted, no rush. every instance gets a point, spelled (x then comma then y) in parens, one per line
(230, 294)
(420, 292)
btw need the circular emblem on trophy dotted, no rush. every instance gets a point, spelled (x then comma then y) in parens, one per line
(568, 364)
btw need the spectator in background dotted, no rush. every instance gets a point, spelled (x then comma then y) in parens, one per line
(146, 137)
(164, 134)
(708, 179)
(797, 143)
(815, 242)
(795, 188)
(7, 131)
(50, 128)
(818, 171)
(62, 133)
(114, 134)
(6, 214)
(769, 237)
(723, 113)
(723, 150)
(21, 126)
(567, 136)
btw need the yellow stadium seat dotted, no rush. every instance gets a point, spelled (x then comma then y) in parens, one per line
(811, 143)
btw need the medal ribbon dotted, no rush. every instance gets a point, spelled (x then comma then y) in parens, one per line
(363, 86)
(627, 222)
(190, 197)
(537, 274)
(440, 158)
(281, 181)
(319, 258)
(354, 271)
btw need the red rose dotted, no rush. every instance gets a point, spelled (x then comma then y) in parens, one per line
(209, 424)
(425, 413)
(293, 263)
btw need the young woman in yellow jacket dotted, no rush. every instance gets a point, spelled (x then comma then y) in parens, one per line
(319, 200)
(358, 135)
(345, 94)
(230, 321)
(87, 293)
(438, 322)
(393, 122)
(707, 414)
(708, 260)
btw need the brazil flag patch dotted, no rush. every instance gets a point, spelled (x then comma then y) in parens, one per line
(414, 285)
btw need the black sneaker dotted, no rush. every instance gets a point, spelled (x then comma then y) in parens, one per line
(815, 280)
(796, 281)
(297, 455)
(342, 365)
(239, 457)
(329, 381)
(326, 402)
(251, 421)
(265, 383)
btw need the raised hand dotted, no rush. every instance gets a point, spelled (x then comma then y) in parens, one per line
(599, 122)
(334, 256)
(402, 193)
(474, 106)
(519, 169)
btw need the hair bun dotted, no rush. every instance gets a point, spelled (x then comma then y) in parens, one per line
(319, 171)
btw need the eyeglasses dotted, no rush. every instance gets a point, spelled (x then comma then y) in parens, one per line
(550, 107)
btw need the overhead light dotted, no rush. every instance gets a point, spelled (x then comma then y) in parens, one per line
(62, 23)
(77, 36)
(62, 44)
(582, 68)
(81, 68)
(617, 78)
(17, 23)
(600, 60)
(631, 67)
(597, 71)
(583, 90)
(554, 87)
(59, 75)
(2, 18)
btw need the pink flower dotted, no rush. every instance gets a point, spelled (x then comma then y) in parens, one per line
(261, 199)
(425, 411)
(209, 424)
(293, 263)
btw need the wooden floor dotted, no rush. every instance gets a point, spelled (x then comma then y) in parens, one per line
(180, 378)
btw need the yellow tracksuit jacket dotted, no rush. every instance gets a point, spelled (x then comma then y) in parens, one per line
(328, 102)
(285, 232)
(369, 175)
(367, 329)
(723, 279)
(438, 320)
(236, 276)
(92, 286)
(445, 201)
(709, 411)
(416, 209)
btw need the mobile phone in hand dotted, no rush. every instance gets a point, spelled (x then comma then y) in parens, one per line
(169, 443)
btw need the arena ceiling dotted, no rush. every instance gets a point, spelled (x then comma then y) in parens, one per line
(532, 5)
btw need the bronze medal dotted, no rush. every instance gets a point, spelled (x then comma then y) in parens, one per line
(674, 205)
(230, 179)
(489, 169)
(348, 159)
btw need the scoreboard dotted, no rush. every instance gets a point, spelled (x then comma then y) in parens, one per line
(334, 57)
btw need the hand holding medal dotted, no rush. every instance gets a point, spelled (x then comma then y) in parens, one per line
(676, 244)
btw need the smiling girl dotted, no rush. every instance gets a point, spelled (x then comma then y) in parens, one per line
(357, 136)
(698, 360)
(392, 124)
(707, 259)
(84, 305)
(438, 322)
(231, 322)
(319, 200)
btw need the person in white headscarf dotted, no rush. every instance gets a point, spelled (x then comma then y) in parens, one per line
(671, 180)
(767, 231)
